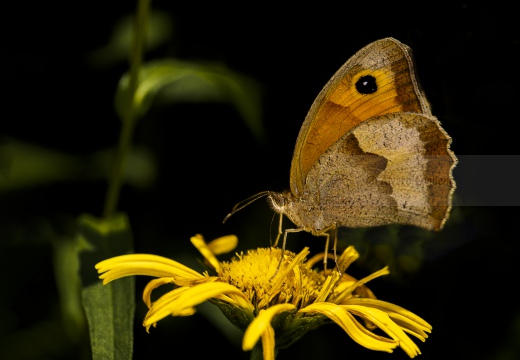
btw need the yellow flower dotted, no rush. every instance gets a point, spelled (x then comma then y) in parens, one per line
(276, 305)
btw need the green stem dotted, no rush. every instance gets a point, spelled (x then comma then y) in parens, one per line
(129, 118)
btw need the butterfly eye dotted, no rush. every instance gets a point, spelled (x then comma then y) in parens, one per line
(366, 85)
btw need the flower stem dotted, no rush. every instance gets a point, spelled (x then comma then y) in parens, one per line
(128, 118)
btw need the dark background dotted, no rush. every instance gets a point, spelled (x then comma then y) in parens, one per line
(207, 160)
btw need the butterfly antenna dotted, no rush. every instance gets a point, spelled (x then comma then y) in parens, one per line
(242, 204)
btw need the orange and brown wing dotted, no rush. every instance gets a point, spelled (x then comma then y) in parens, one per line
(392, 169)
(379, 79)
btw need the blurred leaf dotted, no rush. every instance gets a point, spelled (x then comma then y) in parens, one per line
(159, 30)
(109, 308)
(68, 282)
(170, 81)
(26, 165)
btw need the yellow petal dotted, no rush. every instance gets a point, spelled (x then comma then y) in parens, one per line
(406, 319)
(344, 293)
(188, 299)
(346, 282)
(160, 304)
(152, 285)
(268, 342)
(185, 312)
(223, 244)
(309, 264)
(143, 264)
(347, 257)
(280, 277)
(200, 244)
(352, 327)
(328, 286)
(381, 272)
(383, 321)
(240, 301)
(260, 324)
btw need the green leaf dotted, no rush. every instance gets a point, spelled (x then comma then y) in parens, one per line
(179, 81)
(159, 29)
(109, 308)
(290, 327)
(26, 165)
(68, 283)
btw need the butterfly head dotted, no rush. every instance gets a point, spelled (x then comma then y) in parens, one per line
(286, 203)
(278, 201)
(302, 211)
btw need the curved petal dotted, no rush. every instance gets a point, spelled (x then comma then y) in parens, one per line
(378, 273)
(200, 244)
(344, 291)
(347, 257)
(239, 301)
(143, 264)
(280, 277)
(188, 299)
(185, 312)
(260, 324)
(309, 264)
(406, 319)
(328, 286)
(345, 282)
(151, 286)
(161, 303)
(352, 327)
(383, 321)
(223, 245)
(268, 342)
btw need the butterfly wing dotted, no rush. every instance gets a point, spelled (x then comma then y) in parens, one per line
(395, 168)
(379, 79)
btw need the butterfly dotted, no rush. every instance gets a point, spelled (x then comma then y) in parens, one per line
(369, 152)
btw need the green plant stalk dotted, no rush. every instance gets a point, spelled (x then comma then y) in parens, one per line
(129, 118)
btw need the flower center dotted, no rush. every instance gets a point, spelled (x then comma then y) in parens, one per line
(255, 273)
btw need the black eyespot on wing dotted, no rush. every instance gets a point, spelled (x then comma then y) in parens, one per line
(366, 85)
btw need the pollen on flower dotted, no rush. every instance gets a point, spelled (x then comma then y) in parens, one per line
(256, 275)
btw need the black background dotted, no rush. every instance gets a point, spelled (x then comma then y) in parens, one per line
(207, 160)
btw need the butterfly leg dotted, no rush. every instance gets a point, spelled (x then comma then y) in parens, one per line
(326, 252)
(283, 246)
(335, 231)
(326, 235)
(279, 232)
